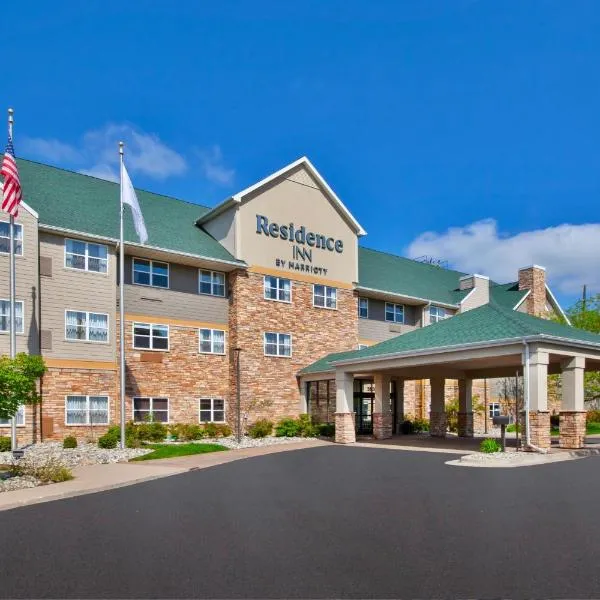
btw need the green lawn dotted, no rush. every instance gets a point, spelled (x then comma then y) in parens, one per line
(174, 450)
(591, 429)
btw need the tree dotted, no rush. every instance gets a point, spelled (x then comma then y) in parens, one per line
(18, 382)
(586, 315)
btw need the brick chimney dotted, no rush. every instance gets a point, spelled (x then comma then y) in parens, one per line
(534, 278)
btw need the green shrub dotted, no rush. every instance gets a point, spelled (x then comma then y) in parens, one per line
(326, 429)
(211, 430)
(70, 442)
(151, 431)
(420, 425)
(109, 440)
(5, 443)
(223, 430)
(407, 427)
(287, 428)
(306, 426)
(593, 416)
(186, 432)
(260, 429)
(490, 445)
(511, 428)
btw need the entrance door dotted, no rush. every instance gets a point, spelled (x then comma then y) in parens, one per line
(364, 393)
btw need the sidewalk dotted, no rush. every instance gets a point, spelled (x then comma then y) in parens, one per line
(98, 478)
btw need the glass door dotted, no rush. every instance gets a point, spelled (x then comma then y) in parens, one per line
(364, 393)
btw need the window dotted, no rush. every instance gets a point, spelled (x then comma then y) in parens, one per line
(277, 288)
(437, 313)
(86, 326)
(20, 418)
(212, 283)
(5, 238)
(324, 296)
(5, 316)
(150, 272)
(86, 410)
(362, 346)
(394, 312)
(212, 410)
(212, 341)
(363, 308)
(86, 256)
(278, 344)
(494, 409)
(150, 336)
(151, 409)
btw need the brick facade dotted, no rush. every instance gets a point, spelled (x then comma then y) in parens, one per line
(345, 428)
(269, 386)
(534, 279)
(382, 425)
(539, 422)
(572, 429)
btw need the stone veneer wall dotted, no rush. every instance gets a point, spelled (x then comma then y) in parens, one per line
(269, 387)
(58, 383)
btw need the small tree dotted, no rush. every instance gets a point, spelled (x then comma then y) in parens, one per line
(18, 382)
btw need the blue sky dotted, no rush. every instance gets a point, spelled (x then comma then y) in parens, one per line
(463, 129)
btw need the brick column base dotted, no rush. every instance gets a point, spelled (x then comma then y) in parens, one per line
(345, 429)
(572, 429)
(465, 424)
(382, 425)
(438, 423)
(540, 429)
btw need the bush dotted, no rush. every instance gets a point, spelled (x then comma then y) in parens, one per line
(511, 428)
(186, 432)
(5, 444)
(490, 445)
(407, 427)
(223, 430)
(300, 427)
(592, 416)
(420, 425)
(260, 429)
(49, 471)
(109, 440)
(326, 429)
(152, 431)
(70, 442)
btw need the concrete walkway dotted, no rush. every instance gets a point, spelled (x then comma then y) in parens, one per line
(98, 478)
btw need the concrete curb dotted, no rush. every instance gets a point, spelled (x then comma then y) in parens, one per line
(522, 459)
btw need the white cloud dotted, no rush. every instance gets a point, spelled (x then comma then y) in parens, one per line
(569, 252)
(213, 168)
(49, 149)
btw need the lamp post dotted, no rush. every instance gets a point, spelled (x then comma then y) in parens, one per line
(237, 352)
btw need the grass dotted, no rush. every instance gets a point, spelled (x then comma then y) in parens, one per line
(174, 450)
(590, 429)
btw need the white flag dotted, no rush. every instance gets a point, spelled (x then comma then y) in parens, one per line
(128, 197)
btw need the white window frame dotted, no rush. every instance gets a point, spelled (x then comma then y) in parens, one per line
(86, 257)
(87, 410)
(437, 318)
(326, 288)
(362, 299)
(212, 283)
(212, 341)
(394, 320)
(18, 226)
(150, 326)
(278, 344)
(19, 331)
(151, 409)
(280, 290)
(212, 410)
(20, 414)
(492, 407)
(152, 263)
(87, 327)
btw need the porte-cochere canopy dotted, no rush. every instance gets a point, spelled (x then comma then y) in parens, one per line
(486, 342)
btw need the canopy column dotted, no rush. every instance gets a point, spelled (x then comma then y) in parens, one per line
(382, 414)
(572, 409)
(536, 387)
(465, 408)
(437, 416)
(345, 428)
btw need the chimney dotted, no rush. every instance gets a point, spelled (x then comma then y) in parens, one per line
(479, 286)
(534, 278)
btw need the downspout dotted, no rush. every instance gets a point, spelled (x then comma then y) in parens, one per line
(528, 444)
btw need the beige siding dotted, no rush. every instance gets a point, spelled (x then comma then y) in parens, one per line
(478, 296)
(27, 290)
(222, 228)
(71, 289)
(180, 301)
(377, 329)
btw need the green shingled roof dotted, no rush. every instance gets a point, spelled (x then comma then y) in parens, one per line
(488, 323)
(507, 295)
(87, 204)
(406, 277)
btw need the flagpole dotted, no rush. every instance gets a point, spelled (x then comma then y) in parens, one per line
(122, 300)
(12, 280)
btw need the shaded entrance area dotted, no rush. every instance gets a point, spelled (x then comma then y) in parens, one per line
(486, 342)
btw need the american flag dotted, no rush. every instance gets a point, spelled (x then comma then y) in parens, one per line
(12, 195)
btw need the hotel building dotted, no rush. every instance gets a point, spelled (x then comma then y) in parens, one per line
(274, 275)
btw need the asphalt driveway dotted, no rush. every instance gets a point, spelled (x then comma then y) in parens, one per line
(323, 522)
